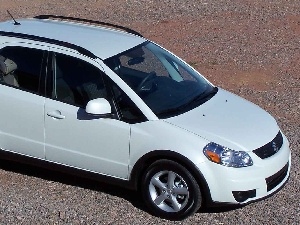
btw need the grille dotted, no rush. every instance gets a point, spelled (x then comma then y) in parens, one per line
(275, 179)
(270, 148)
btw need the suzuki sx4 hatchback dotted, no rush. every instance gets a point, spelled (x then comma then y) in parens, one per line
(118, 107)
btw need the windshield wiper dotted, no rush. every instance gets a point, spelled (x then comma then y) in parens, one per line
(199, 99)
(203, 96)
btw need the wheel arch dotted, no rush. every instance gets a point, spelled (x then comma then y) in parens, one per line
(145, 161)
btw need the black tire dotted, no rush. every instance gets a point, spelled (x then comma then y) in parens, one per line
(170, 191)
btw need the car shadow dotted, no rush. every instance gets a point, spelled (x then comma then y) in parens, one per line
(73, 180)
(69, 179)
(219, 209)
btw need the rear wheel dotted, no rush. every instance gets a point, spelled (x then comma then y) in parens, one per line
(170, 191)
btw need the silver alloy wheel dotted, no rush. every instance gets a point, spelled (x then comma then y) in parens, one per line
(168, 191)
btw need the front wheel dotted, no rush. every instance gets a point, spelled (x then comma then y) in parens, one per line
(170, 191)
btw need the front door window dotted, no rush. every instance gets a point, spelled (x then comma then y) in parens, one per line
(76, 81)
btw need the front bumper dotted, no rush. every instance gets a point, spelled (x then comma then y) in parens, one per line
(248, 184)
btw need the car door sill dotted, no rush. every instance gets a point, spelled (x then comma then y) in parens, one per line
(38, 162)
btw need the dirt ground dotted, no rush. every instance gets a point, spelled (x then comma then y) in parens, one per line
(250, 47)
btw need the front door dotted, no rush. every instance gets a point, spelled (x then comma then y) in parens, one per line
(73, 137)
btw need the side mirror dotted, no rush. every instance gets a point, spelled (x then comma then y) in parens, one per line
(98, 106)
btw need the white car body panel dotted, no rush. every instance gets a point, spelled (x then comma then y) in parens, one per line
(22, 122)
(248, 178)
(159, 135)
(231, 121)
(79, 140)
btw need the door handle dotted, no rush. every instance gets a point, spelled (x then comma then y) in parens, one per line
(56, 114)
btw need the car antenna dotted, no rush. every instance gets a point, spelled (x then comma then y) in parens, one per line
(15, 22)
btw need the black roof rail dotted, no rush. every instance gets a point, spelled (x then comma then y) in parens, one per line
(81, 50)
(128, 30)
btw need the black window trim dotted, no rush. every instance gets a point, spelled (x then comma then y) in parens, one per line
(81, 50)
(42, 74)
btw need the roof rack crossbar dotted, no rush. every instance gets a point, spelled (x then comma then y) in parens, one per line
(128, 30)
(50, 41)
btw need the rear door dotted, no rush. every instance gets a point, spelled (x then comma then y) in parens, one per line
(22, 100)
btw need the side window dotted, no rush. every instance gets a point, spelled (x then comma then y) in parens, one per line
(128, 111)
(75, 81)
(21, 67)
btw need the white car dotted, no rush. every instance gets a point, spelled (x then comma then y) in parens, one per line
(111, 104)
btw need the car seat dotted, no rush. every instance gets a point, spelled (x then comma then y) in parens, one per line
(7, 68)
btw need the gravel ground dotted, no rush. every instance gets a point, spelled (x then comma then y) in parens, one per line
(250, 47)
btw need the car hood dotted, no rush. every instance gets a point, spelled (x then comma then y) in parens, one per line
(229, 120)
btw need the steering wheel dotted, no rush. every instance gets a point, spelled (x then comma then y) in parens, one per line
(142, 86)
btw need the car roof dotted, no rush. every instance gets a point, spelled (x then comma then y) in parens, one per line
(103, 42)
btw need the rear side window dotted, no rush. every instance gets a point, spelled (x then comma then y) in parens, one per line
(27, 70)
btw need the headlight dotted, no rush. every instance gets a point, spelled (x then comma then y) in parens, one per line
(227, 157)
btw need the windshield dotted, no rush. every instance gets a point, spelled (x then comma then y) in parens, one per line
(165, 83)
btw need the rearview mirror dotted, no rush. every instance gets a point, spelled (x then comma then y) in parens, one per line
(135, 60)
(98, 106)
